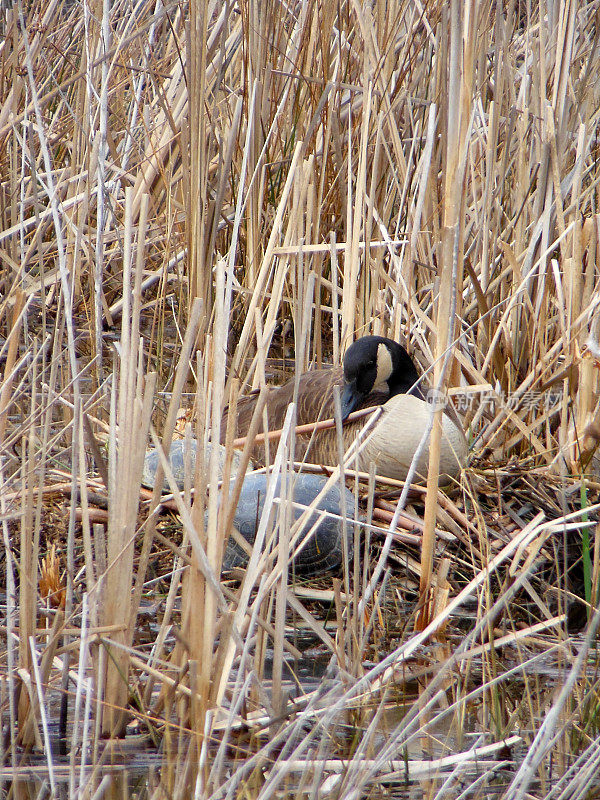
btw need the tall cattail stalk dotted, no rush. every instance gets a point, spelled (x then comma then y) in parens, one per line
(131, 407)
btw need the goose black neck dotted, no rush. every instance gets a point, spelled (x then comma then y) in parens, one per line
(405, 378)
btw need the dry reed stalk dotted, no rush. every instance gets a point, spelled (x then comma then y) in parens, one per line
(169, 427)
(28, 584)
(131, 406)
(281, 590)
(200, 141)
(265, 265)
(309, 427)
(11, 616)
(200, 599)
(92, 575)
(302, 330)
(462, 42)
(252, 574)
(12, 340)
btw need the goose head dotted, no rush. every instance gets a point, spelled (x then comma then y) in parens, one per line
(373, 364)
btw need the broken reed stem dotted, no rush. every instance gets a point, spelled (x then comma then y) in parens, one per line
(309, 427)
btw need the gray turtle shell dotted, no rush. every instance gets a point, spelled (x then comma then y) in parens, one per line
(177, 461)
(324, 550)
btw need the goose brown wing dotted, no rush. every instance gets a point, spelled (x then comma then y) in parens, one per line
(315, 394)
(315, 401)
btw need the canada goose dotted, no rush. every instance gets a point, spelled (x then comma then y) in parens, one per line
(376, 372)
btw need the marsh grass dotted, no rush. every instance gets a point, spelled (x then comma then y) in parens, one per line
(199, 200)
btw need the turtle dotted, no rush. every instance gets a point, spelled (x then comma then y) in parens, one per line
(321, 555)
(177, 462)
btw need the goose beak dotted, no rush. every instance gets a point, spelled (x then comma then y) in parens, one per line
(350, 399)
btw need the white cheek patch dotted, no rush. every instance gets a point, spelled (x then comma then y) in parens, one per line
(384, 367)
